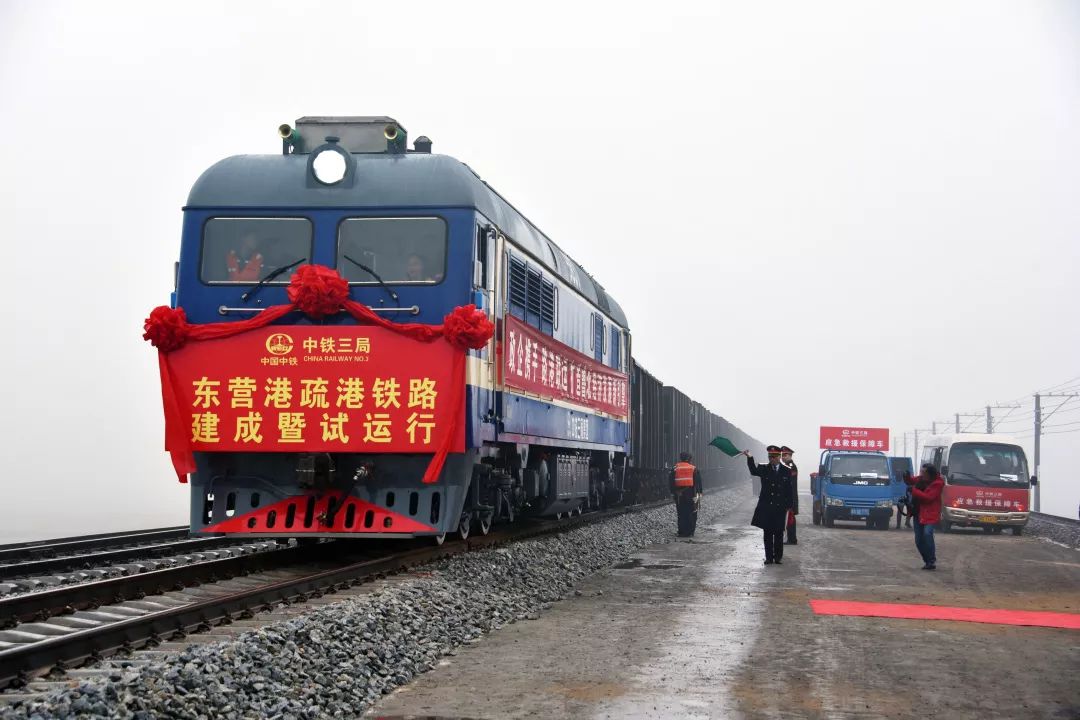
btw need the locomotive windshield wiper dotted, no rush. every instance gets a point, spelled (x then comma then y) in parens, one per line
(270, 276)
(373, 274)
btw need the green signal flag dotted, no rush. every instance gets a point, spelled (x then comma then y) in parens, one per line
(725, 446)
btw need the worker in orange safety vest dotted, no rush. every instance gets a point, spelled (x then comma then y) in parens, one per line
(247, 264)
(686, 487)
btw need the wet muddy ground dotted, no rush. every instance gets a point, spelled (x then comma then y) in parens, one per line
(704, 630)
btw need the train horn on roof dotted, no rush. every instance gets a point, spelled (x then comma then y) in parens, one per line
(287, 133)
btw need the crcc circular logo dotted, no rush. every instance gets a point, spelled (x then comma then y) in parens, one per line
(279, 344)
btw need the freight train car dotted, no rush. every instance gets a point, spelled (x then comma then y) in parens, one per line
(555, 417)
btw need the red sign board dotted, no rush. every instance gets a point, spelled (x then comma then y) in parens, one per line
(311, 388)
(537, 363)
(985, 498)
(854, 438)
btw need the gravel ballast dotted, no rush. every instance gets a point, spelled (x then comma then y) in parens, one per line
(338, 659)
(1059, 530)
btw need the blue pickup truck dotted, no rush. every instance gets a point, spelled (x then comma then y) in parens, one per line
(851, 485)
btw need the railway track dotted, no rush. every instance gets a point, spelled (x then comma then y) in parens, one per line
(69, 626)
(33, 567)
(37, 549)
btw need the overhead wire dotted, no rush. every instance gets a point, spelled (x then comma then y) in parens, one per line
(1009, 421)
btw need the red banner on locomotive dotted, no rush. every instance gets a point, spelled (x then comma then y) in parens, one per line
(536, 363)
(317, 389)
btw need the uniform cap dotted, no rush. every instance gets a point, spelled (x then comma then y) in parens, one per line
(773, 449)
(786, 449)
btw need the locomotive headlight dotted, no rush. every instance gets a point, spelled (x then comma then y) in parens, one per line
(329, 166)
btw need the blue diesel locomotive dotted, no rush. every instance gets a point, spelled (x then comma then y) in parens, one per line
(552, 401)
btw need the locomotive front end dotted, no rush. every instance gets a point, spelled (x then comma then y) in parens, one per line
(357, 419)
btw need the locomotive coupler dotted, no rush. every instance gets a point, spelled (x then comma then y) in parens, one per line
(315, 471)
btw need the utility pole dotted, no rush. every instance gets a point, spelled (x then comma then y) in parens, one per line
(990, 418)
(917, 431)
(1038, 439)
(964, 415)
(1039, 420)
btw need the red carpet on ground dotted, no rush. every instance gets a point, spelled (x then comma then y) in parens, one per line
(1036, 618)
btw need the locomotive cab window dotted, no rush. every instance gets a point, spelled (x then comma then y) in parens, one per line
(245, 250)
(402, 251)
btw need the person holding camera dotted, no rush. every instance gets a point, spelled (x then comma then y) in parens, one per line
(926, 495)
(904, 509)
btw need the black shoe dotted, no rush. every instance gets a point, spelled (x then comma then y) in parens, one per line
(779, 563)
(929, 566)
(768, 561)
(791, 542)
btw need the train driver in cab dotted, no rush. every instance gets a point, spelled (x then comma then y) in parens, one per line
(245, 263)
(416, 270)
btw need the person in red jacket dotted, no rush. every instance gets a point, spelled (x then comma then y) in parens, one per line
(926, 496)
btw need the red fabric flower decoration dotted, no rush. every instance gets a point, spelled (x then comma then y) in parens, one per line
(466, 327)
(167, 329)
(318, 291)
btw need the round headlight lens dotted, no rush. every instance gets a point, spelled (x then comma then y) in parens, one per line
(329, 167)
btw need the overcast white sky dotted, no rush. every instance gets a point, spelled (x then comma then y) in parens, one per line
(813, 213)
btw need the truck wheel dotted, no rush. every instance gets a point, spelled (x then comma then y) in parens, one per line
(883, 523)
(945, 526)
(827, 519)
(816, 517)
(1018, 530)
(997, 530)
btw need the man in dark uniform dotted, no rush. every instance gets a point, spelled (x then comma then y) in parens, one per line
(686, 487)
(785, 457)
(773, 503)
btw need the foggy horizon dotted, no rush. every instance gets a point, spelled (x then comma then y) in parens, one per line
(836, 214)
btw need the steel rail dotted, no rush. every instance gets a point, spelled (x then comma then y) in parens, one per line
(39, 606)
(40, 548)
(29, 568)
(19, 663)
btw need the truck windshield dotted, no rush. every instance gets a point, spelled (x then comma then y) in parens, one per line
(991, 464)
(859, 470)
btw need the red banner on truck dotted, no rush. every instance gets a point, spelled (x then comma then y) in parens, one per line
(537, 363)
(854, 438)
(311, 388)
